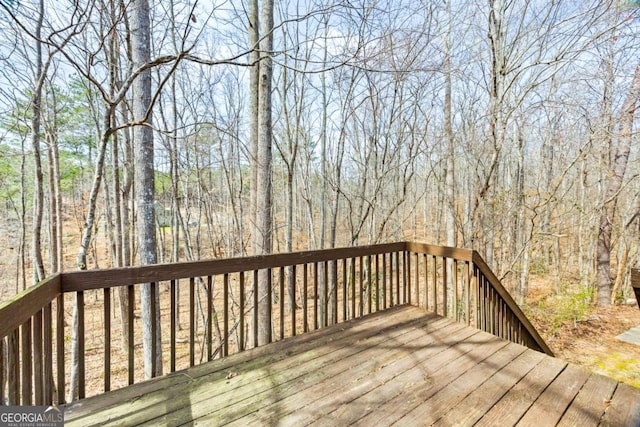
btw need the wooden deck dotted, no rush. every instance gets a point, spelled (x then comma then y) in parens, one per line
(399, 366)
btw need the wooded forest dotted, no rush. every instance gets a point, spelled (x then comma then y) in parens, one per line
(145, 131)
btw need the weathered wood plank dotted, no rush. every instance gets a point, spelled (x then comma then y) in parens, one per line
(274, 352)
(427, 412)
(519, 398)
(336, 380)
(218, 404)
(482, 399)
(624, 408)
(358, 396)
(397, 366)
(549, 407)
(412, 392)
(590, 404)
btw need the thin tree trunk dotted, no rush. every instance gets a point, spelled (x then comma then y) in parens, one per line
(616, 176)
(144, 187)
(36, 106)
(263, 201)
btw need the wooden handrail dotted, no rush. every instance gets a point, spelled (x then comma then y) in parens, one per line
(508, 299)
(18, 309)
(330, 285)
(114, 277)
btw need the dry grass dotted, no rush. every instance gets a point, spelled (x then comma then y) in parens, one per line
(584, 334)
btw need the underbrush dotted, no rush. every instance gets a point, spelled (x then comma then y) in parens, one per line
(581, 333)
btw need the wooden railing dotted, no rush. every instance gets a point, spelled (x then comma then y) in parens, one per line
(208, 309)
(635, 283)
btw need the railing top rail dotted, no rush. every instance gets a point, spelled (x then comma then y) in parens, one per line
(18, 309)
(99, 279)
(444, 251)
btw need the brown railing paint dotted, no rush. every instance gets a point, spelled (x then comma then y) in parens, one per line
(344, 284)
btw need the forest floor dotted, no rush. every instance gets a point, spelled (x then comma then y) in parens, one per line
(585, 335)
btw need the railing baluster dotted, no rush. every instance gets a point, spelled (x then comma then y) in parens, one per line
(334, 291)
(81, 345)
(434, 284)
(406, 262)
(456, 299)
(130, 337)
(305, 295)
(361, 287)
(107, 338)
(384, 282)
(417, 279)
(255, 308)
(369, 284)
(241, 344)
(60, 341)
(425, 261)
(209, 325)
(293, 303)
(315, 296)
(192, 321)
(153, 288)
(445, 287)
(391, 299)
(325, 297)
(345, 290)
(172, 324)
(13, 363)
(281, 300)
(377, 280)
(225, 315)
(25, 343)
(467, 290)
(398, 300)
(37, 358)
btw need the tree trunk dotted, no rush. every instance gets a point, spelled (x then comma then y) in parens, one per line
(617, 170)
(263, 200)
(36, 106)
(144, 187)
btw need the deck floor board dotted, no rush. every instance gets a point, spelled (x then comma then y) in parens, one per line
(400, 366)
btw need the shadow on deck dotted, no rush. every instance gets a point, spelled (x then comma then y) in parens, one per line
(400, 365)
